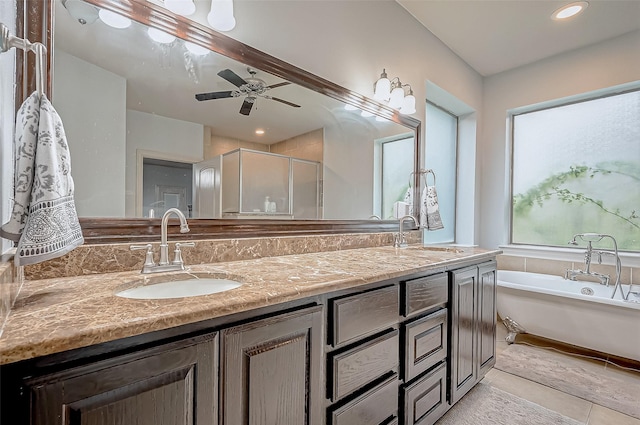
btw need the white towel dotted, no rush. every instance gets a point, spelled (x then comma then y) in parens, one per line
(430, 210)
(44, 220)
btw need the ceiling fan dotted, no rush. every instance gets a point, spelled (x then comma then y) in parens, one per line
(251, 87)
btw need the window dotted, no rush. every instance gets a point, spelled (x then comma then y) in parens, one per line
(576, 169)
(441, 157)
(396, 159)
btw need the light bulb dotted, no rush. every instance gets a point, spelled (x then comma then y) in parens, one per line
(195, 49)
(221, 15)
(160, 36)
(113, 19)
(181, 7)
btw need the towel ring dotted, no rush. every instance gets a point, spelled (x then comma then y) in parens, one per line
(424, 174)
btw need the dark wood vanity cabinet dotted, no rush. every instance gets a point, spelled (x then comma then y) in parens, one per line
(473, 326)
(173, 384)
(402, 351)
(271, 370)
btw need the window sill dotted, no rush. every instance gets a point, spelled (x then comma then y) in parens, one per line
(628, 259)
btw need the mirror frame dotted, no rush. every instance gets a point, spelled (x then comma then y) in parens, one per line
(38, 24)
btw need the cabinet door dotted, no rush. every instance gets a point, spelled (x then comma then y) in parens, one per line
(168, 385)
(486, 317)
(464, 370)
(271, 370)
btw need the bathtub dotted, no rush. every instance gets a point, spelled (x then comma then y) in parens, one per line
(554, 308)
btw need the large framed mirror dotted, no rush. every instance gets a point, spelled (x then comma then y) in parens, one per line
(154, 124)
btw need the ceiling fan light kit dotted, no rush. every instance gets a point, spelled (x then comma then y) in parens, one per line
(251, 87)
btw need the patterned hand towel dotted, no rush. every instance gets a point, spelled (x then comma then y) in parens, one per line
(430, 210)
(44, 220)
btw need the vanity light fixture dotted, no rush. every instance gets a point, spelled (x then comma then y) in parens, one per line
(160, 36)
(220, 16)
(113, 19)
(569, 10)
(392, 91)
(195, 49)
(181, 7)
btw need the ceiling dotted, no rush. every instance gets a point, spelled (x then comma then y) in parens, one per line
(496, 36)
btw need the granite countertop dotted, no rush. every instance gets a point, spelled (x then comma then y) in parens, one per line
(55, 315)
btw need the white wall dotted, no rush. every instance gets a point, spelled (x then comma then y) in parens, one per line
(7, 119)
(603, 65)
(160, 134)
(92, 103)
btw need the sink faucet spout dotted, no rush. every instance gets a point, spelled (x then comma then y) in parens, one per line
(164, 245)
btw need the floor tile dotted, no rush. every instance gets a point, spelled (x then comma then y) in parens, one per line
(565, 404)
(602, 416)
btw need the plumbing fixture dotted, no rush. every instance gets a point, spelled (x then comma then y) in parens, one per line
(399, 240)
(163, 264)
(590, 238)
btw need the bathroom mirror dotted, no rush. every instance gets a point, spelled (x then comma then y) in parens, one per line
(120, 100)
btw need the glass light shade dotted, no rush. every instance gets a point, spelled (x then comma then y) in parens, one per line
(380, 119)
(195, 49)
(221, 15)
(160, 36)
(408, 105)
(113, 19)
(397, 97)
(181, 7)
(366, 114)
(382, 90)
(350, 107)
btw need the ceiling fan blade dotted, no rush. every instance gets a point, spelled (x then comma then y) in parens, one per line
(245, 109)
(213, 95)
(232, 77)
(273, 86)
(284, 101)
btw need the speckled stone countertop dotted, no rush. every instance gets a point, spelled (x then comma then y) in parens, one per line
(55, 315)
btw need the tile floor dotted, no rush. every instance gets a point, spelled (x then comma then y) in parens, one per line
(579, 409)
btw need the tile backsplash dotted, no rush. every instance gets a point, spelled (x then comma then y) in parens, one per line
(97, 259)
(558, 267)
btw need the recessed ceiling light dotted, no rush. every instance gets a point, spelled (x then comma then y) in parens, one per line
(569, 10)
(259, 131)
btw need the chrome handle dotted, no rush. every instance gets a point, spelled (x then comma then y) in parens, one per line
(177, 253)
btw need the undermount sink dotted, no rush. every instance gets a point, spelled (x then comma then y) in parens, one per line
(437, 249)
(180, 285)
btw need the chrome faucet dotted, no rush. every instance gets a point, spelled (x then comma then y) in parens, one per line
(399, 240)
(164, 265)
(588, 256)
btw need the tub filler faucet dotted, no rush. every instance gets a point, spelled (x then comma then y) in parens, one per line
(605, 279)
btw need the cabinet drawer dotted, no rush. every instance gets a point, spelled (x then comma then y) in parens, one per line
(363, 364)
(372, 408)
(425, 343)
(425, 401)
(425, 293)
(364, 313)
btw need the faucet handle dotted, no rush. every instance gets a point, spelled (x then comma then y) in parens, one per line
(177, 253)
(149, 256)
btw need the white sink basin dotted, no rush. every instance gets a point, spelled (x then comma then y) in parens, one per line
(180, 286)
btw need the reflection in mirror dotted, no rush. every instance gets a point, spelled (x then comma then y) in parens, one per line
(133, 98)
